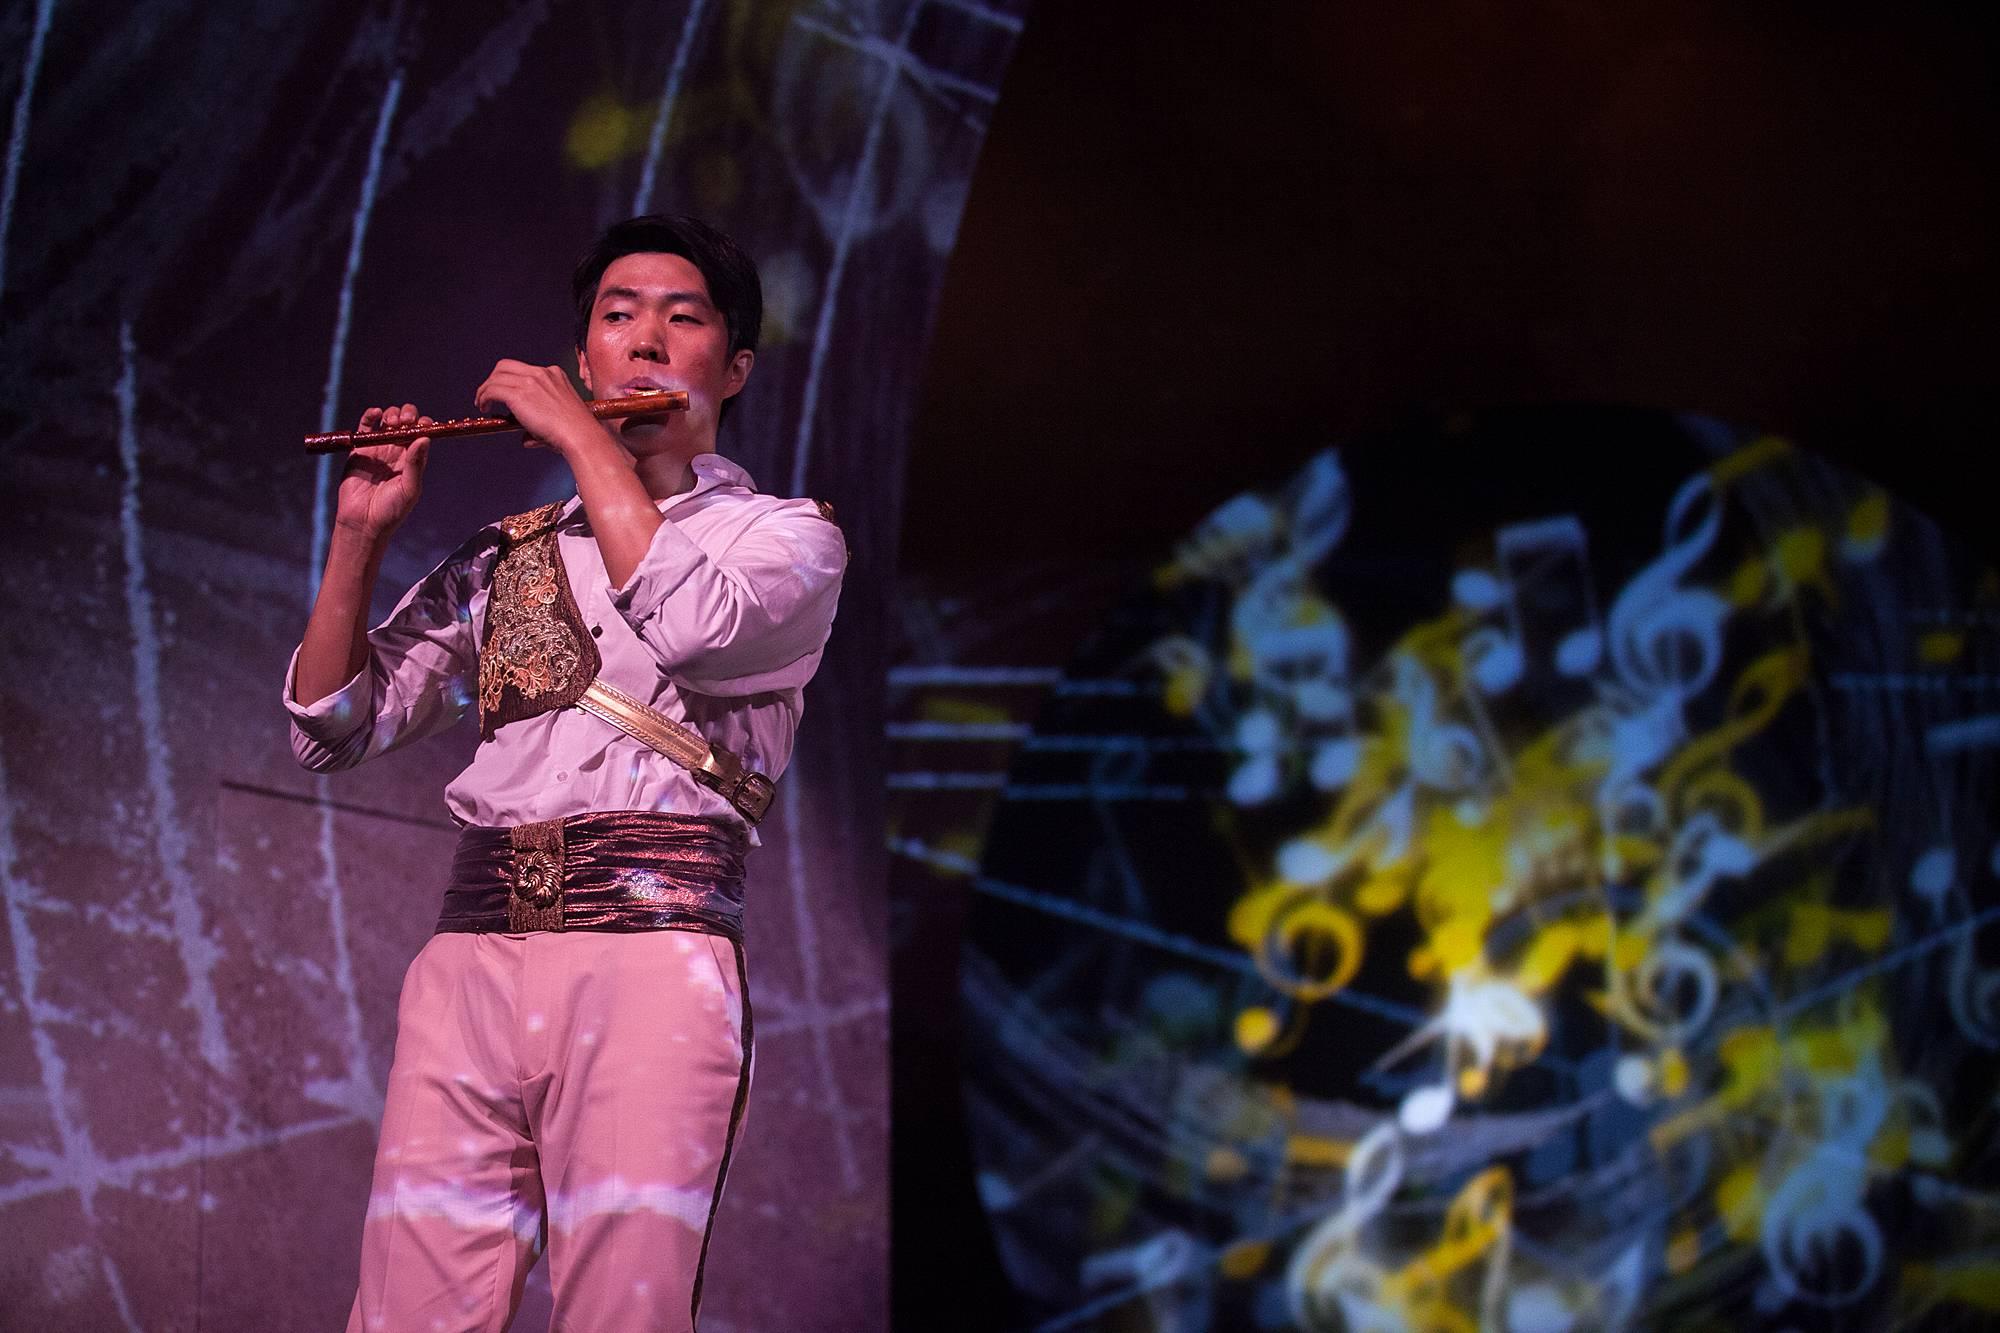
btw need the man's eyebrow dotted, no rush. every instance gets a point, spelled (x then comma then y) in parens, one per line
(668, 298)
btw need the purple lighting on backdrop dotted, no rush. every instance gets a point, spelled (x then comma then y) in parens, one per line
(288, 215)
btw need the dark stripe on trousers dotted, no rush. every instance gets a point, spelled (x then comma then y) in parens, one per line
(735, 1119)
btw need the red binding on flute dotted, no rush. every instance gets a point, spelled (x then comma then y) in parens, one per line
(604, 409)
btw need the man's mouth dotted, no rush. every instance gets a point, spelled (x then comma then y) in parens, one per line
(642, 385)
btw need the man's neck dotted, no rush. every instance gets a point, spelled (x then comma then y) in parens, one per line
(666, 475)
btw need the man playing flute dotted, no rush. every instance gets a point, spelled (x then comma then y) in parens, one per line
(573, 1043)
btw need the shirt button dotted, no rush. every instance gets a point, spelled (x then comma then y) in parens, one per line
(597, 631)
(562, 775)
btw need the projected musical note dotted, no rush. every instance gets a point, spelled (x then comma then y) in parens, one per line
(1494, 656)
(1613, 903)
(1329, 1280)
(1546, 569)
(1543, 596)
(1666, 639)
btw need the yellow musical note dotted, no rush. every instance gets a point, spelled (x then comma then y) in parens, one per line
(1754, 700)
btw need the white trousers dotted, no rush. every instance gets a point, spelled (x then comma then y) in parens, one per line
(579, 1087)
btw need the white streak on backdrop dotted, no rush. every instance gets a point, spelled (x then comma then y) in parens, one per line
(656, 140)
(197, 951)
(854, 222)
(343, 318)
(355, 1092)
(17, 138)
(77, 1167)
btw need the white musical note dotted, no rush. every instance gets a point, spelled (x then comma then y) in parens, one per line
(1703, 851)
(1820, 1243)
(1545, 566)
(1542, 592)
(1494, 659)
(1153, 1263)
(1329, 1283)
(1334, 763)
(1975, 995)
(1260, 738)
(1235, 536)
(1425, 1110)
(1321, 506)
(1666, 639)
(1932, 876)
(1482, 1019)
(1444, 756)
(1673, 992)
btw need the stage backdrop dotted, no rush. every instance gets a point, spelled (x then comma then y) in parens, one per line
(221, 227)
(1539, 873)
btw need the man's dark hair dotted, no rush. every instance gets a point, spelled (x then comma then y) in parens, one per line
(731, 276)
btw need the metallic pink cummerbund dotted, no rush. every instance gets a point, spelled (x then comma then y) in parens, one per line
(621, 870)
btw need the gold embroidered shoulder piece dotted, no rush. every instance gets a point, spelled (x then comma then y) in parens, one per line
(537, 654)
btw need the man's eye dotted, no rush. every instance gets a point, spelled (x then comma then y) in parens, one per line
(686, 319)
(610, 315)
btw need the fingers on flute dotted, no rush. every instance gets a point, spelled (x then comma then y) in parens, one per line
(376, 419)
(402, 418)
(385, 418)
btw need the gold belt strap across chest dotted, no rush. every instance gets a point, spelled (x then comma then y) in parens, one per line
(710, 765)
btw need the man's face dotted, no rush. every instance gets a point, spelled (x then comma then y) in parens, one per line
(653, 326)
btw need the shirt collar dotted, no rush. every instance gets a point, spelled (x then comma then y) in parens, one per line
(710, 471)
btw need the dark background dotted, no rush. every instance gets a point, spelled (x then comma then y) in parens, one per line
(1203, 244)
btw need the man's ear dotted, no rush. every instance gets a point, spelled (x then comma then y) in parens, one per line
(739, 371)
(583, 371)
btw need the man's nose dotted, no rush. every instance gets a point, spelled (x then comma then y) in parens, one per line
(651, 343)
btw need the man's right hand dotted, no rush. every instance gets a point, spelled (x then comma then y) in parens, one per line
(377, 492)
(382, 481)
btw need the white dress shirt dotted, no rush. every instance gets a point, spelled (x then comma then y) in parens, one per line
(719, 628)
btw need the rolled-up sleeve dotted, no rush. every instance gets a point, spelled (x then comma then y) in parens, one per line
(749, 619)
(422, 667)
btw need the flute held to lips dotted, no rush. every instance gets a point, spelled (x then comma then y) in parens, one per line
(604, 409)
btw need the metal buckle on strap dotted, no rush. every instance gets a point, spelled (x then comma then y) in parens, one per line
(753, 796)
(745, 788)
